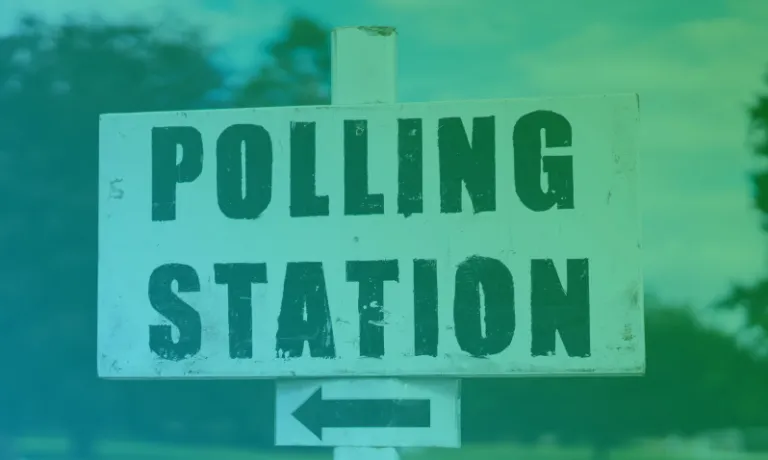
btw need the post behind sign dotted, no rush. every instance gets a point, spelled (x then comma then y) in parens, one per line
(364, 72)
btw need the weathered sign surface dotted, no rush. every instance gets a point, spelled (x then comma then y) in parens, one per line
(474, 238)
(371, 412)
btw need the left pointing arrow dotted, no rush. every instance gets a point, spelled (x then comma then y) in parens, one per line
(317, 413)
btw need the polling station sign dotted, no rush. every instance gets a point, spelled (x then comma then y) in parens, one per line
(473, 238)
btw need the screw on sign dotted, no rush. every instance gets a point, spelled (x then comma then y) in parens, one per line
(369, 246)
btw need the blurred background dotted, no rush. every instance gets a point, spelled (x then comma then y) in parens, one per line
(699, 68)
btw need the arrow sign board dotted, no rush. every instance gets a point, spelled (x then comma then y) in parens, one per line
(317, 413)
(344, 413)
(453, 239)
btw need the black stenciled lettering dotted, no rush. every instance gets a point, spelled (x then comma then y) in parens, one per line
(181, 314)
(304, 291)
(239, 278)
(244, 191)
(529, 163)
(371, 276)
(473, 165)
(410, 198)
(555, 309)
(357, 200)
(499, 294)
(166, 172)
(304, 202)
(425, 307)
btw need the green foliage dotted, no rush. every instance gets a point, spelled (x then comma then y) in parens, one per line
(752, 300)
(298, 71)
(55, 81)
(758, 115)
(697, 379)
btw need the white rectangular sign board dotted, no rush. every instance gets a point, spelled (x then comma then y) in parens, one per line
(454, 239)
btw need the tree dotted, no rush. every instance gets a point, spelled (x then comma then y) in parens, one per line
(758, 115)
(298, 71)
(752, 300)
(55, 81)
(697, 379)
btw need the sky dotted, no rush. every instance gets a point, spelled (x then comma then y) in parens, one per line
(697, 67)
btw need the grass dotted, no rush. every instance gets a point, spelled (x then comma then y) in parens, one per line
(113, 450)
